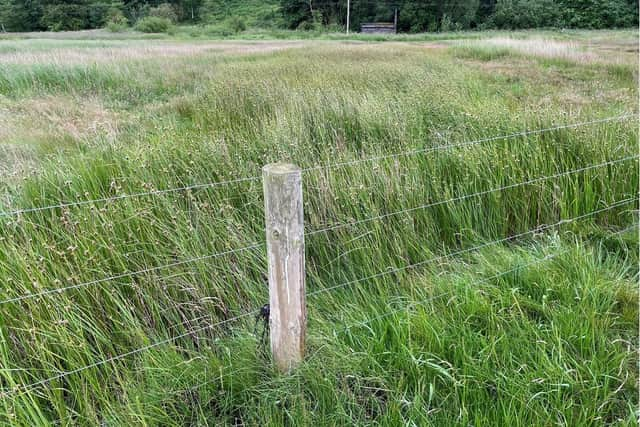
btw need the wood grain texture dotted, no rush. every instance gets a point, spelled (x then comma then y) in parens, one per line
(285, 252)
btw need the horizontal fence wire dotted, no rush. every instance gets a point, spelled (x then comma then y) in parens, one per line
(387, 314)
(30, 387)
(309, 169)
(475, 283)
(468, 196)
(128, 196)
(538, 229)
(444, 294)
(256, 245)
(422, 302)
(448, 293)
(61, 375)
(127, 274)
(467, 143)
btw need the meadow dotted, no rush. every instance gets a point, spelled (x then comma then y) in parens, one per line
(485, 284)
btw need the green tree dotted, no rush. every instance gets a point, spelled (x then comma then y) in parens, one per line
(165, 11)
(5, 10)
(295, 12)
(515, 14)
(414, 15)
(599, 13)
(21, 15)
(190, 10)
(65, 17)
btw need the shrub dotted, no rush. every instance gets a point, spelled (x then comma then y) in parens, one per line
(165, 11)
(115, 15)
(446, 24)
(114, 27)
(153, 24)
(236, 24)
(317, 20)
(217, 30)
(115, 20)
(304, 26)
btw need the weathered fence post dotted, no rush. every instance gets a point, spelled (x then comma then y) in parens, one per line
(285, 252)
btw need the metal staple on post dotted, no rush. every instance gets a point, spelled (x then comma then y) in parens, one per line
(285, 252)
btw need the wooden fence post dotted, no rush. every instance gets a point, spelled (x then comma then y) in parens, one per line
(284, 220)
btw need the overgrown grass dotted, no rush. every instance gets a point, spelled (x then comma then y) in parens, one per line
(537, 331)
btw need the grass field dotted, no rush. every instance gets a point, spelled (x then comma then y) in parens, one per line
(536, 331)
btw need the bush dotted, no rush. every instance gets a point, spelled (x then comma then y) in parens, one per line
(304, 26)
(317, 20)
(236, 24)
(116, 21)
(115, 15)
(153, 24)
(217, 30)
(446, 24)
(165, 11)
(115, 27)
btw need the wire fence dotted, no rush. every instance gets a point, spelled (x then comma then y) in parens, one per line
(477, 194)
(391, 270)
(472, 284)
(413, 304)
(314, 168)
(257, 245)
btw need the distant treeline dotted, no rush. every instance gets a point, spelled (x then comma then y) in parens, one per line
(447, 15)
(413, 15)
(59, 15)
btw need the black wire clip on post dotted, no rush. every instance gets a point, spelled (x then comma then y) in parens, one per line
(263, 315)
